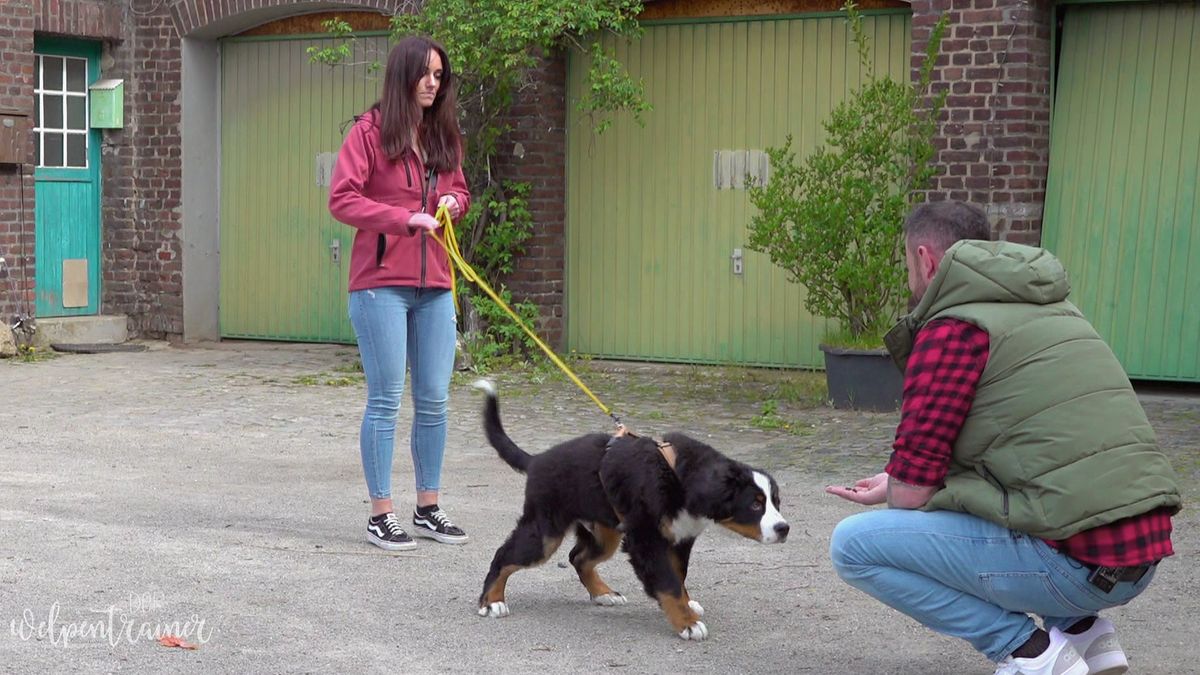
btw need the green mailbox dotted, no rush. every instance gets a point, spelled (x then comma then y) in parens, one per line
(108, 104)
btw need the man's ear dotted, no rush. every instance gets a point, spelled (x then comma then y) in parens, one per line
(928, 261)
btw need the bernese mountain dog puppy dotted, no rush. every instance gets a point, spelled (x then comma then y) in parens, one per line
(655, 497)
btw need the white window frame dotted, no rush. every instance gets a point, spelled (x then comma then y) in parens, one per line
(40, 91)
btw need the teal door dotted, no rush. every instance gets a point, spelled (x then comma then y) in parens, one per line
(66, 179)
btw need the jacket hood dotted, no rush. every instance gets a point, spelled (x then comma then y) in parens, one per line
(994, 271)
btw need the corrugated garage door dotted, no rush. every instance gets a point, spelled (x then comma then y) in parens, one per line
(1121, 202)
(284, 260)
(657, 214)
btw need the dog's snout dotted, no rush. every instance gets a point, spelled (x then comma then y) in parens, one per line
(782, 530)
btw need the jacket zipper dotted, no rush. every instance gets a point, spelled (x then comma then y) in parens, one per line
(381, 242)
(424, 203)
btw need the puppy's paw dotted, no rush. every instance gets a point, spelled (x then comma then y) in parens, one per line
(697, 631)
(696, 607)
(610, 599)
(485, 385)
(494, 610)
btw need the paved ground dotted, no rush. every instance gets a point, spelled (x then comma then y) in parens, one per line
(218, 489)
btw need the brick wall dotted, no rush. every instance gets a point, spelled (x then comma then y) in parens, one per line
(16, 225)
(536, 151)
(143, 254)
(994, 145)
(140, 257)
(99, 19)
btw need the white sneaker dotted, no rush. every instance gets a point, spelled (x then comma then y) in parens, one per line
(1060, 658)
(1099, 647)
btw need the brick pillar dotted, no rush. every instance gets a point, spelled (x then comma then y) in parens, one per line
(536, 151)
(144, 252)
(16, 180)
(994, 145)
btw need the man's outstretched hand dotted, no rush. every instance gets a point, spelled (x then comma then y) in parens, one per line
(868, 491)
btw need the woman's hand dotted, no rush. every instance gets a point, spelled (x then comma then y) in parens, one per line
(423, 221)
(451, 203)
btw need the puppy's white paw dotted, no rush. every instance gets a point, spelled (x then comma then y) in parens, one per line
(495, 610)
(696, 607)
(486, 386)
(697, 631)
(610, 599)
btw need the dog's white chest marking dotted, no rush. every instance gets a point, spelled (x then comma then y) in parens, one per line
(686, 526)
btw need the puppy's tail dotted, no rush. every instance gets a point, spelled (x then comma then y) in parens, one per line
(509, 452)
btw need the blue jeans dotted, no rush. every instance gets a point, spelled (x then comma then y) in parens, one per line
(967, 577)
(396, 325)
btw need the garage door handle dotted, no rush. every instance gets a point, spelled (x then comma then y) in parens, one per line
(335, 251)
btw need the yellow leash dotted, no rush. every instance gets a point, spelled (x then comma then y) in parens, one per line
(450, 243)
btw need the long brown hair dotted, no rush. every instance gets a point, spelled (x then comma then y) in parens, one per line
(399, 111)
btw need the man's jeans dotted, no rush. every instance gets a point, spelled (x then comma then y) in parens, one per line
(967, 577)
(395, 325)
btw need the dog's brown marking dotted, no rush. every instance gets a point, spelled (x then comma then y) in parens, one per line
(610, 541)
(679, 614)
(749, 531)
(495, 592)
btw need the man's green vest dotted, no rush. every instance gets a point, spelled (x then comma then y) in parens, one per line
(1056, 441)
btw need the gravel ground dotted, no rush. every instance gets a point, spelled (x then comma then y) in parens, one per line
(217, 490)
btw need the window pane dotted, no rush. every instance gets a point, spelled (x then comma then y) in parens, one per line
(76, 112)
(54, 150)
(37, 73)
(37, 110)
(77, 150)
(76, 75)
(52, 73)
(52, 111)
(37, 148)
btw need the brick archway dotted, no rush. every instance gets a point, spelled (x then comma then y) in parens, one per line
(208, 19)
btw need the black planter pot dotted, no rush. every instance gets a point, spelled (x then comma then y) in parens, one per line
(862, 379)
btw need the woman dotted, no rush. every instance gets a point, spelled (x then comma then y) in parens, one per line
(400, 162)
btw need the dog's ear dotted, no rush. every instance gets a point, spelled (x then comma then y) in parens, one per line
(724, 484)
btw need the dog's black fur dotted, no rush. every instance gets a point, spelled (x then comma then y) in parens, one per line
(610, 488)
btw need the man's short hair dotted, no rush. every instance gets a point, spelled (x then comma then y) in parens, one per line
(940, 224)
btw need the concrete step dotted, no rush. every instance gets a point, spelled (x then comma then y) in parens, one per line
(106, 329)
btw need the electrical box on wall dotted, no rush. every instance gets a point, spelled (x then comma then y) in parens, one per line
(14, 136)
(108, 104)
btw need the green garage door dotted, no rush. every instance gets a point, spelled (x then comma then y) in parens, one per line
(657, 266)
(284, 260)
(1121, 202)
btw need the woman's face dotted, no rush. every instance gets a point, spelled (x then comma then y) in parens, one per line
(431, 81)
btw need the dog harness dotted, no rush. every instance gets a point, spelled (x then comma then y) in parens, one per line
(665, 449)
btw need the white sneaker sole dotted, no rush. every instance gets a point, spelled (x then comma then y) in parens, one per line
(418, 531)
(391, 545)
(1108, 664)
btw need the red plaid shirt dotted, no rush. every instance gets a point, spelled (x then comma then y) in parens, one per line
(947, 360)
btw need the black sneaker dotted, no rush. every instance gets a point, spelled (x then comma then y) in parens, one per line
(385, 532)
(431, 521)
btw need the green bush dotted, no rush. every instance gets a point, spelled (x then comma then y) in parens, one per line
(834, 220)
